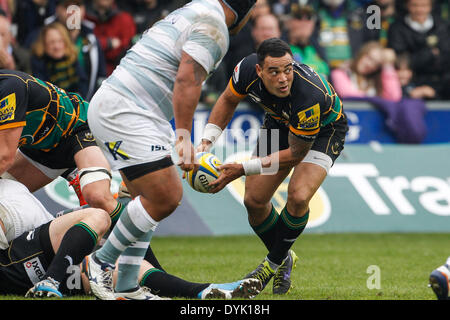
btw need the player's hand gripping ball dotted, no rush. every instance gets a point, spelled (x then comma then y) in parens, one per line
(207, 172)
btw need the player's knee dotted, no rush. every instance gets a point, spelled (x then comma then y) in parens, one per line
(97, 197)
(299, 201)
(104, 221)
(253, 202)
(98, 220)
(160, 207)
(174, 200)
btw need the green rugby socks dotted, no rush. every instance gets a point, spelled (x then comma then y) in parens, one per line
(266, 231)
(288, 229)
(69, 254)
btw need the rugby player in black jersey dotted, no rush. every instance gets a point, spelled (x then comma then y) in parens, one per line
(305, 114)
(44, 134)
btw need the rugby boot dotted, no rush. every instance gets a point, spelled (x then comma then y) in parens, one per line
(282, 277)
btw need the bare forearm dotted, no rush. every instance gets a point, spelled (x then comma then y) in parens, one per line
(223, 111)
(185, 101)
(283, 159)
(289, 157)
(187, 91)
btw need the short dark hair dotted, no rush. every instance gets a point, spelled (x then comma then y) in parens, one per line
(273, 47)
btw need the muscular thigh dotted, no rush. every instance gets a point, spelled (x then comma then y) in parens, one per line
(91, 156)
(306, 178)
(160, 190)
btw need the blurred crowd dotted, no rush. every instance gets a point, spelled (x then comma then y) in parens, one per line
(366, 48)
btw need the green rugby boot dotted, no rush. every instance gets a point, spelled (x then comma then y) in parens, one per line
(282, 277)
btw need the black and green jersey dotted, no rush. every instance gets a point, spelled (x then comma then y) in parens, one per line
(311, 105)
(46, 113)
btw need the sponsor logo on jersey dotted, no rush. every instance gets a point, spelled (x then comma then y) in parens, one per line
(236, 72)
(34, 270)
(88, 137)
(8, 108)
(310, 118)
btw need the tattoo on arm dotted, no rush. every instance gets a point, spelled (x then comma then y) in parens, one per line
(299, 147)
(199, 72)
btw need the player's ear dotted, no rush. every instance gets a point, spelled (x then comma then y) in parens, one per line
(258, 70)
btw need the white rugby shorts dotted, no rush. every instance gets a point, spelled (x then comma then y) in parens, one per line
(128, 134)
(20, 211)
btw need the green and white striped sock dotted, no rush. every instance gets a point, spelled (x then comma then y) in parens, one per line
(129, 237)
(130, 262)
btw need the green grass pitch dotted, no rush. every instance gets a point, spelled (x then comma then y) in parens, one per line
(331, 266)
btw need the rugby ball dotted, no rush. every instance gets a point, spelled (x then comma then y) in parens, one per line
(207, 172)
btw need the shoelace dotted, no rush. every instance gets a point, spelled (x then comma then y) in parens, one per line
(263, 274)
(50, 282)
(277, 279)
(107, 279)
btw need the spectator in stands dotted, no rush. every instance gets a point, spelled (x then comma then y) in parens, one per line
(442, 9)
(89, 52)
(30, 14)
(426, 39)
(371, 74)
(340, 31)
(7, 7)
(54, 59)
(145, 12)
(281, 7)
(388, 15)
(114, 28)
(405, 75)
(303, 40)
(265, 27)
(12, 56)
(241, 45)
(261, 7)
(372, 78)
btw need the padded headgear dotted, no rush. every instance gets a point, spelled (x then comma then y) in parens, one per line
(241, 9)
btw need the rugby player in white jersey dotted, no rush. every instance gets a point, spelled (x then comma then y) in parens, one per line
(160, 78)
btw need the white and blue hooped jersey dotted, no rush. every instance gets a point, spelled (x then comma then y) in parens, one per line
(147, 73)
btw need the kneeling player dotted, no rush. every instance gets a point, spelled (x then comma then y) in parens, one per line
(45, 253)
